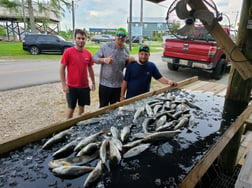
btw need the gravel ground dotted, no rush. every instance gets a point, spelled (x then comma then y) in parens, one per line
(31, 108)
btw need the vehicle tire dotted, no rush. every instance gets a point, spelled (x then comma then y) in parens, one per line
(219, 69)
(97, 41)
(64, 50)
(34, 50)
(172, 67)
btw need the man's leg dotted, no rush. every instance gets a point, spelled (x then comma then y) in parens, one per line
(115, 95)
(71, 101)
(70, 113)
(104, 96)
(81, 110)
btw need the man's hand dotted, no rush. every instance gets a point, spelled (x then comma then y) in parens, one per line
(65, 88)
(172, 83)
(108, 60)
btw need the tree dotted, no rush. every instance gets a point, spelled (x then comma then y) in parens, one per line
(54, 6)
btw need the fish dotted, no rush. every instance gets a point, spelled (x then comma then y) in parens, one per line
(138, 113)
(85, 141)
(158, 136)
(117, 143)
(125, 132)
(114, 131)
(67, 149)
(73, 161)
(170, 97)
(148, 110)
(89, 149)
(156, 108)
(114, 153)
(71, 170)
(166, 126)
(57, 138)
(103, 150)
(177, 114)
(167, 105)
(192, 105)
(182, 122)
(182, 107)
(161, 121)
(133, 143)
(136, 150)
(94, 175)
(146, 123)
(126, 108)
(141, 135)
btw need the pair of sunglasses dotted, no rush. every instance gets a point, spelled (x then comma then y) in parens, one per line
(144, 48)
(121, 35)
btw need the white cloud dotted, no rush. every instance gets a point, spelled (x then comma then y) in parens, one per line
(114, 13)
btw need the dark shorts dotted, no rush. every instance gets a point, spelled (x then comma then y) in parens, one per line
(108, 95)
(82, 95)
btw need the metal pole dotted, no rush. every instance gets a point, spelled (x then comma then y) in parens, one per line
(236, 17)
(73, 17)
(130, 25)
(141, 22)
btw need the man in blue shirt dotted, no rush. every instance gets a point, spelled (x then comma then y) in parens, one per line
(138, 75)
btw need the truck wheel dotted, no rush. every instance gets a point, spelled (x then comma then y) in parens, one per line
(172, 67)
(219, 69)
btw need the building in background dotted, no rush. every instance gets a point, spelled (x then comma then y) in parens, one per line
(150, 27)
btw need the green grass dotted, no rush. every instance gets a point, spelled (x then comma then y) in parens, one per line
(14, 51)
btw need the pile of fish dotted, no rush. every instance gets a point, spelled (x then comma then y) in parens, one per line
(163, 118)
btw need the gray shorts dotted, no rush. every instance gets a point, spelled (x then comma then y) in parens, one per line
(82, 95)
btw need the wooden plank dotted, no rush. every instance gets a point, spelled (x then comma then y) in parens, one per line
(219, 88)
(246, 145)
(194, 86)
(222, 93)
(207, 87)
(35, 135)
(239, 60)
(202, 166)
(215, 89)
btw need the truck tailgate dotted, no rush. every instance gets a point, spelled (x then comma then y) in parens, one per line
(192, 50)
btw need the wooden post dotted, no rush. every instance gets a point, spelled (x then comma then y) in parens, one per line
(239, 90)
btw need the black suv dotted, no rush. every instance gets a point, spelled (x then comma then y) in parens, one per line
(38, 43)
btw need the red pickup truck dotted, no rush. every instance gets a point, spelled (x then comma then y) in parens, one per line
(197, 51)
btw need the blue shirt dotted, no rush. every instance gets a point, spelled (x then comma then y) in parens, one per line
(138, 77)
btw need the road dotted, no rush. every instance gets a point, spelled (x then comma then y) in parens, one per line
(25, 73)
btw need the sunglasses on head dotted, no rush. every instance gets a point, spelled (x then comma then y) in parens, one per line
(121, 35)
(144, 48)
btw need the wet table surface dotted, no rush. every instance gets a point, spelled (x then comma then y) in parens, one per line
(164, 164)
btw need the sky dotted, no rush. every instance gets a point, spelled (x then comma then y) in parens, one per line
(114, 13)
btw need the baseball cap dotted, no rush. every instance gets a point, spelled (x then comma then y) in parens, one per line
(144, 48)
(121, 31)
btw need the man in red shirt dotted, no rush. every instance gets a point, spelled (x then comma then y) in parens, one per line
(76, 65)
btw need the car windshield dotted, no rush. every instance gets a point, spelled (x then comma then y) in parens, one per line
(61, 38)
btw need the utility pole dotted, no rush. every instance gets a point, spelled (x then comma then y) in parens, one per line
(236, 17)
(130, 25)
(73, 17)
(141, 22)
(24, 18)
